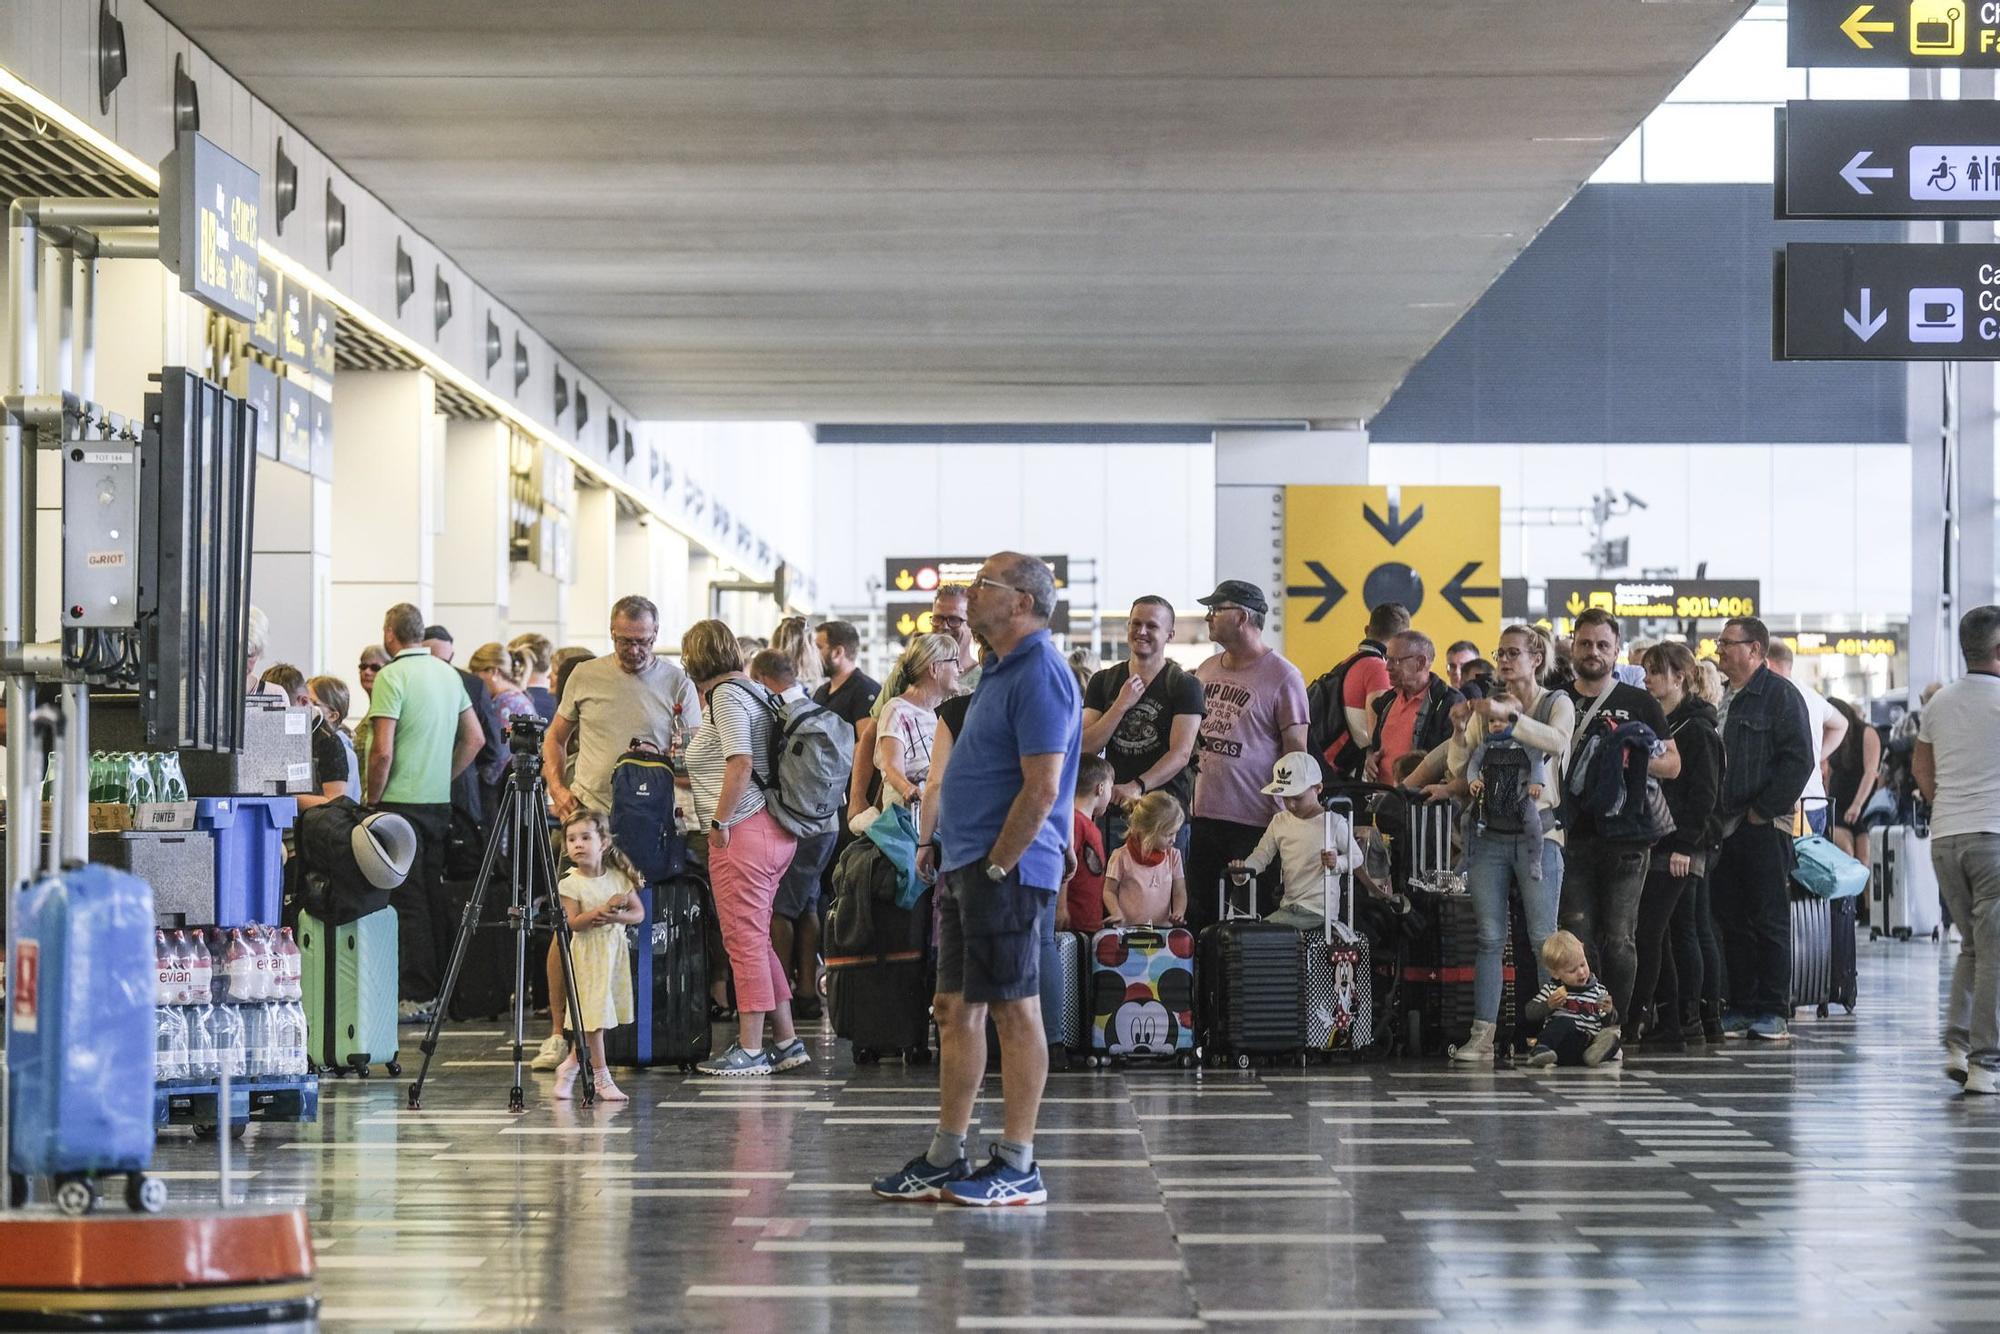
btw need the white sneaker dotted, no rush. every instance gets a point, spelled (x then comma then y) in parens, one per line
(1954, 1063)
(1981, 1080)
(1477, 1047)
(554, 1047)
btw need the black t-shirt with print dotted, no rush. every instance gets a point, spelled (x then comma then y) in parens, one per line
(1145, 733)
(1625, 704)
(329, 758)
(853, 700)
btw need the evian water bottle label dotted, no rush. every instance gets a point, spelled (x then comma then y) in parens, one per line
(27, 973)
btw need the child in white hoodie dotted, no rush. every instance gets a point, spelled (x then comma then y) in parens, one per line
(1305, 840)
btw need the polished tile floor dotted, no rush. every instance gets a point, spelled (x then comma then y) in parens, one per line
(1840, 1182)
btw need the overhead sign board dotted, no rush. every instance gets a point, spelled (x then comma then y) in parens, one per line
(926, 574)
(321, 336)
(1826, 644)
(1893, 34)
(1435, 549)
(209, 225)
(264, 332)
(294, 321)
(1887, 302)
(1655, 599)
(1909, 160)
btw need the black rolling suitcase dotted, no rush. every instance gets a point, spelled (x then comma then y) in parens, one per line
(485, 987)
(1251, 988)
(877, 955)
(669, 962)
(1823, 953)
(1438, 979)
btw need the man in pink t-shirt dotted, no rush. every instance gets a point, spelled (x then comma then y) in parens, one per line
(1256, 712)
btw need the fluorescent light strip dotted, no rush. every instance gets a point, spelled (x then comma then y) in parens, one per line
(42, 105)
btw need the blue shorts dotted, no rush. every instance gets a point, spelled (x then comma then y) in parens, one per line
(990, 935)
(798, 891)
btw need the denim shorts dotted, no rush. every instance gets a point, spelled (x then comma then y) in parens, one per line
(990, 935)
(798, 892)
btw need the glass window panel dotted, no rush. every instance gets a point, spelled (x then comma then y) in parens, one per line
(1747, 65)
(1693, 143)
(1622, 167)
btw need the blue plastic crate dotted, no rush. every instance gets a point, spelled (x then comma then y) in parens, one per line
(249, 855)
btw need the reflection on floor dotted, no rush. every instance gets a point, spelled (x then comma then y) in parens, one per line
(1841, 1180)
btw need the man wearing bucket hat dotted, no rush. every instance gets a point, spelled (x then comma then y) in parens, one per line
(1256, 712)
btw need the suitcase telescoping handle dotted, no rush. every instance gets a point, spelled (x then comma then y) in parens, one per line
(1330, 879)
(1225, 910)
(1430, 831)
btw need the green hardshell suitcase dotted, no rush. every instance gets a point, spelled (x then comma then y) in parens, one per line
(348, 977)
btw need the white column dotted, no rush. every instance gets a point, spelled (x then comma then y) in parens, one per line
(1252, 470)
(473, 589)
(596, 586)
(291, 569)
(385, 514)
(652, 562)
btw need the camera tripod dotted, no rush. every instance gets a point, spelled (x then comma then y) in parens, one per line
(521, 825)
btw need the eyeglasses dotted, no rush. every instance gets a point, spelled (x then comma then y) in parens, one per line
(1508, 654)
(983, 582)
(1726, 643)
(947, 622)
(1214, 612)
(1407, 657)
(633, 641)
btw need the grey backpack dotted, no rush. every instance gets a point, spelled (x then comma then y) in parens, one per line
(804, 777)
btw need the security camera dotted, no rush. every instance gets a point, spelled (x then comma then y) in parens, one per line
(1634, 501)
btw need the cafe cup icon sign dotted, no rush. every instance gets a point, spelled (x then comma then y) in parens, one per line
(1937, 27)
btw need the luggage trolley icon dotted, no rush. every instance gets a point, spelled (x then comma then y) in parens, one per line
(1937, 27)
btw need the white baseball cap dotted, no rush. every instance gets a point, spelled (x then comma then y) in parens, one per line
(1292, 775)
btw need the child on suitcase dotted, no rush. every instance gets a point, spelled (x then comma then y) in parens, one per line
(1145, 884)
(600, 896)
(1571, 1018)
(1300, 841)
(1081, 905)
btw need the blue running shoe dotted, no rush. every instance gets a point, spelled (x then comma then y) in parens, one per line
(919, 1180)
(1735, 1025)
(996, 1184)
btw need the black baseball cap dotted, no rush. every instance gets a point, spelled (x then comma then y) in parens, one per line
(1241, 592)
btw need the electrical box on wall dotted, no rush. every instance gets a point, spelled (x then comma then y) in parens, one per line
(100, 586)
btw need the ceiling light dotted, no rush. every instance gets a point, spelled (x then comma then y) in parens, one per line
(493, 348)
(582, 410)
(562, 395)
(336, 224)
(406, 277)
(631, 446)
(284, 185)
(187, 99)
(110, 55)
(520, 363)
(440, 303)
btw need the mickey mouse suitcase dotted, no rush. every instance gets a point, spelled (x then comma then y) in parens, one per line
(1141, 993)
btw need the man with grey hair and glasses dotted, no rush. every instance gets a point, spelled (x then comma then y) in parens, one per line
(1957, 768)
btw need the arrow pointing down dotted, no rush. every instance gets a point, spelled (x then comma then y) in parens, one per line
(1853, 172)
(1396, 528)
(1328, 590)
(1865, 328)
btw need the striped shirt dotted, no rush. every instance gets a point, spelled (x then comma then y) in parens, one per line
(736, 723)
(1588, 1005)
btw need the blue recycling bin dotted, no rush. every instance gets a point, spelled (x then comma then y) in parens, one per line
(249, 855)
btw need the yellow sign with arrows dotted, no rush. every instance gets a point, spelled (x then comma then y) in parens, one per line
(1435, 549)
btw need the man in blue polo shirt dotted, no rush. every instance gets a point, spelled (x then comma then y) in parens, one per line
(1005, 824)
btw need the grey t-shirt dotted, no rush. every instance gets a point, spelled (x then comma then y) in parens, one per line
(611, 706)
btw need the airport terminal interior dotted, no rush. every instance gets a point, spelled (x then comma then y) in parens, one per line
(918, 666)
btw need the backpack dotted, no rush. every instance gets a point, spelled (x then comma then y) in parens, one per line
(332, 886)
(1326, 715)
(805, 773)
(642, 813)
(1506, 771)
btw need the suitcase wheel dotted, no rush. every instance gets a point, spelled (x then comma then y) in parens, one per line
(75, 1195)
(917, 1056)
(687, 1067)
(1822, 1009)
(867, 1056)
(17, 1190)
(394, 1068)
(1874, 933)
(1937, 934)
(144, 1194)
(1185, 1060)
(1243, 1060)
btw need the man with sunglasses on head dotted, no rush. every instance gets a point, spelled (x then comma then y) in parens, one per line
(1768, 753)
(1256, 711)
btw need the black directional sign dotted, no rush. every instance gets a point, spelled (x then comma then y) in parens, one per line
(1899, 34)
(1887, 303)
(1888, 160)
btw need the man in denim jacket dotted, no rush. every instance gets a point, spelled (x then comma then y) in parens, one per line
(1768, 754)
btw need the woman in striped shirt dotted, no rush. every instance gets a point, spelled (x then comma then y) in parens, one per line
(748, 851)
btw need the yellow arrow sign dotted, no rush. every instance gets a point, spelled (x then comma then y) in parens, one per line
(1854, 27)
(1575, 603)
(905, 581)
(906, 624)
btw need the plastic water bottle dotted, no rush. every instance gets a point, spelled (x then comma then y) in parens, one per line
(264, 982)
(218, 965)
(170, 1044)
(193, 956)
(256, 1039)
(295, 1037)
(293, 970)
(166, 983)
(239, 967)
(201, 1041)
(227, 1029)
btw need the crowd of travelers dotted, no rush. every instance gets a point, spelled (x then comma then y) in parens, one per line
(1044, 792)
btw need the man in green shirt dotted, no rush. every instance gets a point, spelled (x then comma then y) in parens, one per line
(422, 734)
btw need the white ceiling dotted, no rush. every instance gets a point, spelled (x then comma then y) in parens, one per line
(974, 210)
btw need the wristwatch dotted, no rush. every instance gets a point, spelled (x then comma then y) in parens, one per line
(994, 872)
(715, 825)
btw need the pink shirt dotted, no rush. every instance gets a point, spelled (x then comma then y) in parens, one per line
(1145, 893)
(1241, 735)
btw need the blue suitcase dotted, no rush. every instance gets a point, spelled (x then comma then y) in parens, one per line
(80, 1044)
